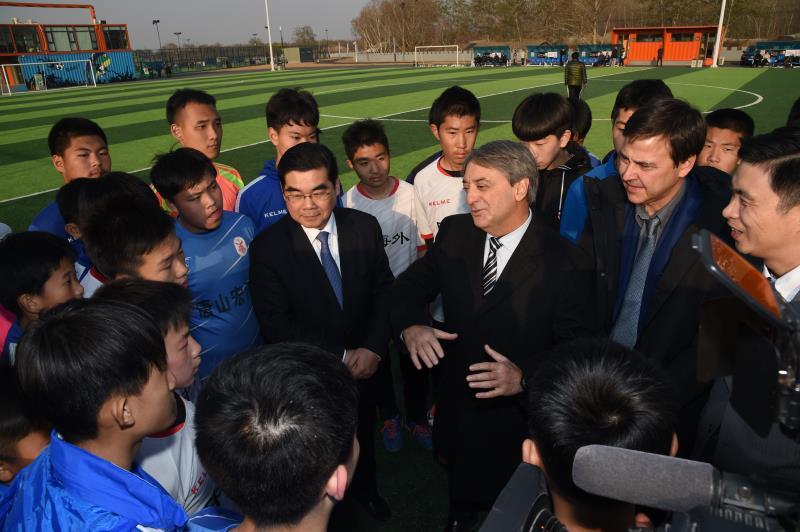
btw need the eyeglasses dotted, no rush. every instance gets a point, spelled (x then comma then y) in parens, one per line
(316, 196)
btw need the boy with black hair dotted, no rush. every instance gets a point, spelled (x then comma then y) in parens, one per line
(594, 392)
(195, 123)
(581, 124)
(292, 118)
(633, 96)
(98, 371)
(38, 273)
(23, 432)
(396, 207)
(170, 455)
(309, 467)
(68, 199)
(544, 122)
(133, 239)
(215, 243)
(78, 148)
(726, 129)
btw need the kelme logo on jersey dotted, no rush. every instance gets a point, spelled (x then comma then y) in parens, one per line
(240, 246)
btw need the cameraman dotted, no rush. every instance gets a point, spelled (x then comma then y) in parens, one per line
(764, 217)
(594, 392)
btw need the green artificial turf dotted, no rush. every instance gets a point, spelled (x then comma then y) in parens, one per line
(132, 114)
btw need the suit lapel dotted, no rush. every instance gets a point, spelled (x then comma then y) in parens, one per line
(347, 255)
(309, 265)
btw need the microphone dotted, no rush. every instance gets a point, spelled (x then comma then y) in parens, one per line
(645, 479)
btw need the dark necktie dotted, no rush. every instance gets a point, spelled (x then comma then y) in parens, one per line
(329, 265)
(626, 329)
(490, 268)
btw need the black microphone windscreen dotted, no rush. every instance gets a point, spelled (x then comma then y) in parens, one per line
(647, 479)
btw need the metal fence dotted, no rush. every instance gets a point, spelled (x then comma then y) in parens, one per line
(169, 61)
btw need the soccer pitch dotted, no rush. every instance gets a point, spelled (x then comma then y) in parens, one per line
(133, 116)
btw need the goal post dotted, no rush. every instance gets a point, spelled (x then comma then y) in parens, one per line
(439, 55)
(46, 75)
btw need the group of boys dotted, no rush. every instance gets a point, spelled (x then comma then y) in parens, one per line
(157, 370)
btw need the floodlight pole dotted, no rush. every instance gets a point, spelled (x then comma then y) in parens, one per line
(156, 22)
(269, 38)
(718, 40)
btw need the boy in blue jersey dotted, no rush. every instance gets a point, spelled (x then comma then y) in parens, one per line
(78, 148)
(215, 243)
(292, 118)
(98, 371)
(38, 273)
(23, 432)
(631, 97)
(281, 478)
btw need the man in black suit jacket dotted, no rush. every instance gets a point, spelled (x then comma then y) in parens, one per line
(511, 288)
(320, 275)
(650, 288)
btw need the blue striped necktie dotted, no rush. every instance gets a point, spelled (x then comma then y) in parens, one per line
(329, 265)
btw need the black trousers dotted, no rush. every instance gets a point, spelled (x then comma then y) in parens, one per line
(415, 386)
(574, 91)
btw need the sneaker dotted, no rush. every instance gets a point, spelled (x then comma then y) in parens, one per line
(392, 438)
(422, 434)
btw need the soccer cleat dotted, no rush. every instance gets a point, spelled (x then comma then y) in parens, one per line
(422, 434)
(392, 438)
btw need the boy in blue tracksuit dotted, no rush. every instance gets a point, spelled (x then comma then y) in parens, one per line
(98, 370)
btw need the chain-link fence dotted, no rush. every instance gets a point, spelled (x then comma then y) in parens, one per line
(170, 61)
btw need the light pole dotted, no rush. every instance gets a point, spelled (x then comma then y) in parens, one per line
(327, 51)
(178, 35)
(718, 40)
(156, 22)
(269, 38)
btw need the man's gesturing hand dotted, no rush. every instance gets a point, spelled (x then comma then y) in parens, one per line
(362, 362)
(501, 377)
(423, 344)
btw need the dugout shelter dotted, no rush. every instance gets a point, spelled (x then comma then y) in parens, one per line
(596, 54)
(497, 55)
(546, 54)
(681, 45)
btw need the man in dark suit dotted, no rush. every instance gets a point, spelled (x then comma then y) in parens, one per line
(511, 288)
(650, 282)
(321, 275)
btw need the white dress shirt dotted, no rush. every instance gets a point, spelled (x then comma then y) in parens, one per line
(333, 240)
(510, 243)
(788, 284)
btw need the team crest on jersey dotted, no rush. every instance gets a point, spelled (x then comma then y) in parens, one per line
(240, 245)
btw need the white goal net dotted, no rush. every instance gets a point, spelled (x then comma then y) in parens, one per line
(442, 55)
(45, 76)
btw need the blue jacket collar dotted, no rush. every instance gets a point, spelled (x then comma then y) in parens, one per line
(131, 494)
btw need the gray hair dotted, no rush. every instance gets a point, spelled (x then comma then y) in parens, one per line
(511, 159)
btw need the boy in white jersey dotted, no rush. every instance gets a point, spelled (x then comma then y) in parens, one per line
(170, 455)
(405, 228)
(454, 120)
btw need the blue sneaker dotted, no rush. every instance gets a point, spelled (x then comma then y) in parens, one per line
(422, 434)
(392, 437)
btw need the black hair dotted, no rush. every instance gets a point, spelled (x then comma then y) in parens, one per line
(114, 187)
(169, 305)
(540, 115)
(68, 199)
(284, 412)
(17, 417)
(678, 122)
(182, 97)
(27, 260)
(308, 156)
(594, 391)
(638, 94)
(292, 105)
(734, 119)
(581, 117)
(793, 120)
(117, 237)
(66, 129)
(455, 101)
(180, 169)
(363, 133)
(778, 154)
(575, 56)
(81, 355)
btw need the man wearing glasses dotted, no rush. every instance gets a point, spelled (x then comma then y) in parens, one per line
(321, 275)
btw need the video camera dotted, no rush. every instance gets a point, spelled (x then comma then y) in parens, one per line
(763, 359)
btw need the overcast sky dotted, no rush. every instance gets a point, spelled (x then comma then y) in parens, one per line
(206, 21)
